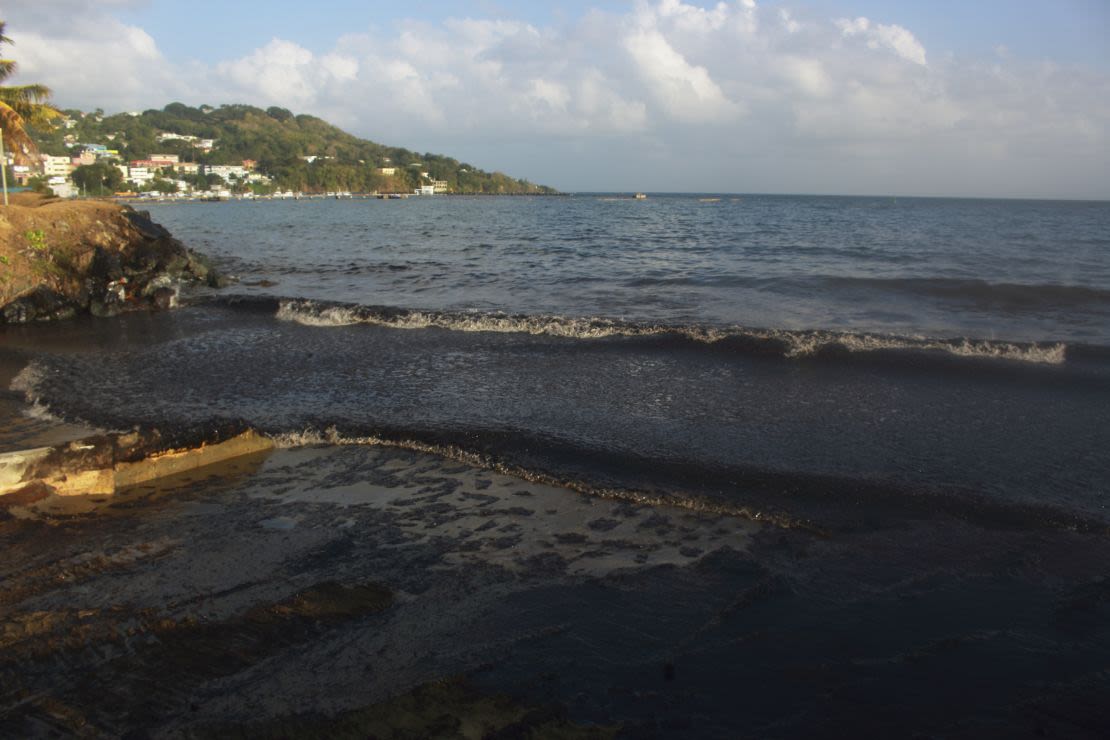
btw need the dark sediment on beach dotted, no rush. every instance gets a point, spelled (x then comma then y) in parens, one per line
(380, 591)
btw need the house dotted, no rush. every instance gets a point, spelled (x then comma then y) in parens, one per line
(205, 144)
(249, 164)
(168, 136)
(388, 171)
(187, 168)
(439, 186)
(165, 159)
(83, 158)
(139, 175)
(56, 166)
(150, 164)
(22, 173)
(425, 190)
(226, 171)
(62, 187)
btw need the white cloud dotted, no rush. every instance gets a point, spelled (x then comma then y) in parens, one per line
(897, 39)
(788, 22)
(685, 91)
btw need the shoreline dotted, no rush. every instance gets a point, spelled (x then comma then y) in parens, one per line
(270, 540)
(416, 556)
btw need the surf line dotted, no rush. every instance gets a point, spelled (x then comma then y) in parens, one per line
(699, 504)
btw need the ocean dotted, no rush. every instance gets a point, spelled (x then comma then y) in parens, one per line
(908, 397)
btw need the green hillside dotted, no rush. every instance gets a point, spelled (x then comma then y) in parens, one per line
(278, 141)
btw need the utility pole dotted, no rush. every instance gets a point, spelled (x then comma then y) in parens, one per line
(3, 167)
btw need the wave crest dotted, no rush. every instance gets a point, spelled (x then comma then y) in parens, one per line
(784, 342)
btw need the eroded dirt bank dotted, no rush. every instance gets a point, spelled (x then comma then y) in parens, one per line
(59, 259)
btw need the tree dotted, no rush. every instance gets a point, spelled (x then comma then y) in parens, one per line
(98, 178)
(20, 106)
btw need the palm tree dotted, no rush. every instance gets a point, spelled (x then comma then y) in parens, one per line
(20, 106)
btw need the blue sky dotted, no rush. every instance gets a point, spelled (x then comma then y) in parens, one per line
(850, 96)
(1064, 30)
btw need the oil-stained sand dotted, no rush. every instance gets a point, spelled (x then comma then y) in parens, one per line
(360, 591)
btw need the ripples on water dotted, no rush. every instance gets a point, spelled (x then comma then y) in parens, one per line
(917, 390)
(764, 350)
(1018, 270)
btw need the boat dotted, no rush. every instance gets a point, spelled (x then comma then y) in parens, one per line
(640, 196)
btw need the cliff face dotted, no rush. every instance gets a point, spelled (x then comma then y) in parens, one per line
(59, 259)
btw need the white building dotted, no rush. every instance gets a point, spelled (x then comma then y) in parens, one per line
(62, 187)
(226, 171)
(175, 137)
(139, 175)
(390, 171)
(56, 166)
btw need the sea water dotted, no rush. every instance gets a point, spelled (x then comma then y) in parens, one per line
(910, 398)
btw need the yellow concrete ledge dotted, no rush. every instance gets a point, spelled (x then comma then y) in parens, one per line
(24, 468)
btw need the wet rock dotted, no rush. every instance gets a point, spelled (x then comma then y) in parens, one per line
(107, 260)
(43, 304)
(163, 298)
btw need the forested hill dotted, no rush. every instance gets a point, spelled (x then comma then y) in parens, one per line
(281, 144)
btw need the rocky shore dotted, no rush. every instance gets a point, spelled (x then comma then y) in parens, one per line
(60, 259)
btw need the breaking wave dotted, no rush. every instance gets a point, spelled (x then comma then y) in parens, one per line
(26, 383)
(332, 437)
(785, 342)
(785, 499)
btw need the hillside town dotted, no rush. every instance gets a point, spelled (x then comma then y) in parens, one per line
(169, 175)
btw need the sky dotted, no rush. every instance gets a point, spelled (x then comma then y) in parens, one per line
(991, 98)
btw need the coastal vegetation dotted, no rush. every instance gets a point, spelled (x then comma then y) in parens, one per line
(295, 152)
(21, 107)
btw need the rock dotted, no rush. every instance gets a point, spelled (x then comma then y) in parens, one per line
(108, 259)
(164, 298)
(43, 304)
(106, 265)
(104, 309)
(217, 280)
(148, 228)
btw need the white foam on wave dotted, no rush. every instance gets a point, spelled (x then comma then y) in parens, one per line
(332, 437)
(331, 316)
(796, 344)
(802, 345)
(26, 382)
